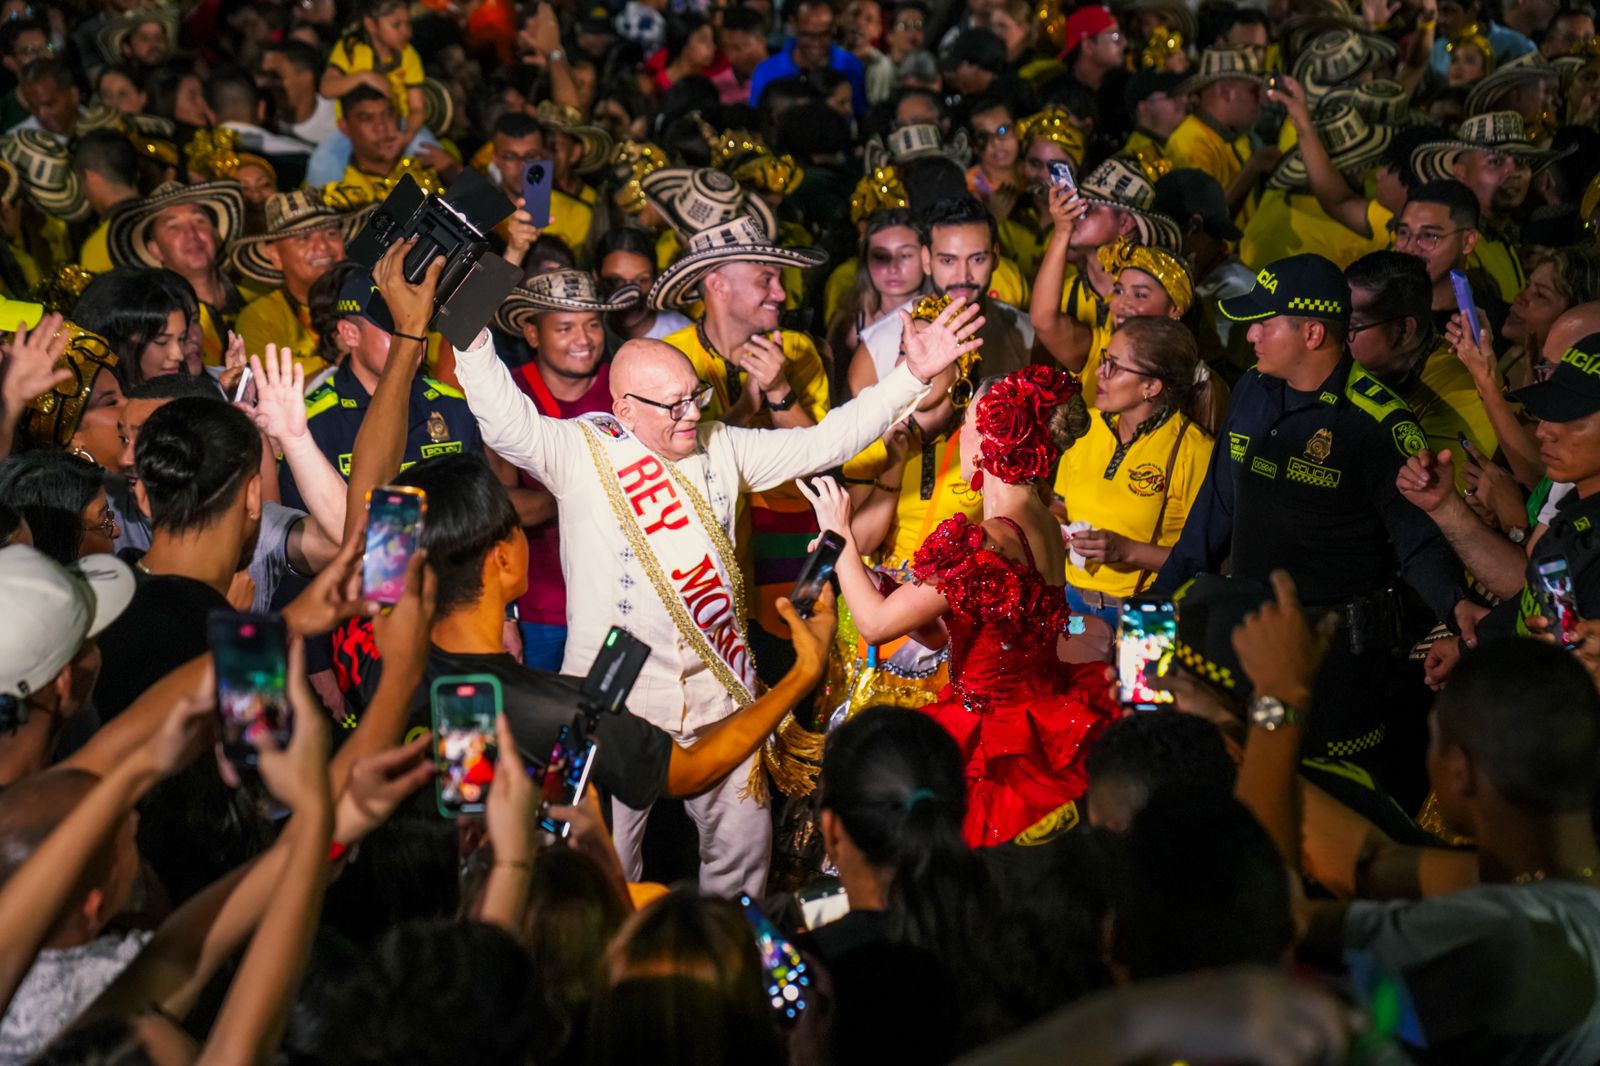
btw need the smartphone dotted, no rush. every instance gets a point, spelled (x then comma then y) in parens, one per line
(537, 181)
(251, 659)
(788, 979)
(1061, 176)
(465, 747)
(1560, 601)
(815, 572)
(824, 903)
(1145, 634)
(566, 775)
(614, 671)
(394, 531)
(1465, 304)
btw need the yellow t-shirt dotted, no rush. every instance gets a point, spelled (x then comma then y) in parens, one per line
(1127, 498)
(1141, 143)
(274, 319)
(1081, 302)
(1196, 144)
(95, 254)
(1022, 240)
(1446, 405)
(934, 469)
(1089, 376)
(1288, 223)
(570, 219)
(775, 527)
(352, 55)
(1500, 262)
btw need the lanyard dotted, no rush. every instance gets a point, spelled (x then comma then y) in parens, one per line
(542, 397)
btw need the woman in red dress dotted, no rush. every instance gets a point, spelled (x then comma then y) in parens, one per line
(1022, 717)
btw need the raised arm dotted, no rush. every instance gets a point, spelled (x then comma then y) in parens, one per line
(1517, 442)
(1062, 335)
(29, 369)
(768, 458)
(547, 448)
(1343, 204)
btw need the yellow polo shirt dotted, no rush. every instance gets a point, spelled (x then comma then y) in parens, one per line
(1081, 302)
(1141, 143)
(1022, 240)
(275, 319)
(570, 219)
(1288, 223)
(1446, 405)
(776, 527)
(931, 490)
(1126, 497)
(1499, 260)
(95, 253)
(1089, 376)
(1196, 144)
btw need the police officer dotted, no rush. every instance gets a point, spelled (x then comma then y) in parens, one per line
(440, 421)
(1303, 479)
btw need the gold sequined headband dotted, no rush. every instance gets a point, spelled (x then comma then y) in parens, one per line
(1053, 124)
(766, 172)
(641, 159)
(1173, 276)
(881, 190)
(1474, 35)
(215, 154)
(733, 145)
(55, 416)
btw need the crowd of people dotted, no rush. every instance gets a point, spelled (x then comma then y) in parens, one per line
(1203, 402)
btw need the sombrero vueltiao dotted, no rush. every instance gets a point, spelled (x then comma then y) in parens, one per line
(1223, 64)
(130, 223)
(596, 142)
(1333, 60)
(1352, 146)
(692, 199)
(741, 240)
(1384, 103)
(917, 140)
(44, 167)
(438, 107)
(1498, 131)
(111, 36)
(289, 213)
(559, 291)
(1120, 183)
(1519, 71)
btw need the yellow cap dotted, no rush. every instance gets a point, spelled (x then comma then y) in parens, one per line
(14, 315)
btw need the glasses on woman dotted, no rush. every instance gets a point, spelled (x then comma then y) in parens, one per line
(107, 526)
(1110, 368)
(698, 399)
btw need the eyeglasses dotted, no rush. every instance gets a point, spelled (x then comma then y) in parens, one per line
(697, 400)
(908, 24)
(107, 526)
(1354, 329)
(1422, 240)
(1110, 368)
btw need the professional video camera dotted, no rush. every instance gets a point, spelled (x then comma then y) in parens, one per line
(475, 280)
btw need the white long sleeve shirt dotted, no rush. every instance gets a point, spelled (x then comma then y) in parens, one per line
(606, 585)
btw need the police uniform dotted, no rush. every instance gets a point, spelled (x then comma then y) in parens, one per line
(1305, 482)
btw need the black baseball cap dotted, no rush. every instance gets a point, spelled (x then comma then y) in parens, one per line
(359, 296)
(1186, 192)
(1144, 84)
(1305, 286)
(1209, 608)
(1572, 391)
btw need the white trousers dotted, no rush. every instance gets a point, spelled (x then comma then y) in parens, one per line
(735, 835)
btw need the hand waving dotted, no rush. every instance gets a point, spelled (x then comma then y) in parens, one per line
(280, 410)
(29, 364)
(953, 334)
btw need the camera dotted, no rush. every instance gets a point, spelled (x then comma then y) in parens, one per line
(475, 280)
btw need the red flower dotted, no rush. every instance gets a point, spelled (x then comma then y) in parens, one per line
(1007, 414)
(994, 593)
(1026, 460)
(949, 549)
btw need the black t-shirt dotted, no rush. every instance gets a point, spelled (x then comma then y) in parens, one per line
(163, 628)
(631, 763)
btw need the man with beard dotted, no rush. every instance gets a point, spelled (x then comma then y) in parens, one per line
(958, 256)
(558, 315)
(1440, 225)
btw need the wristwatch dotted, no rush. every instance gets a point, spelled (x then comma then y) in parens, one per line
(555, 55)
(1517, 535)
(1270, 713)
(780, 405)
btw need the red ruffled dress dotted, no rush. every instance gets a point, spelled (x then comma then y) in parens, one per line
(1022, 718)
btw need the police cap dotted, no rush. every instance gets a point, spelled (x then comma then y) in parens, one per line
(1302, 286)
(359, 297)
(1572, 391)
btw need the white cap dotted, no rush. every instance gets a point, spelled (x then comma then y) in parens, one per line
(50, 609)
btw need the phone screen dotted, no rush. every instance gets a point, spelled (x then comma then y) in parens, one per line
(785, 971)
(1561, 600)
(1146, 634)
(815, 572)
(1061, 175)
(567, 775)
(464, 743)
(250, 654)
(394, 531)
(537, 181)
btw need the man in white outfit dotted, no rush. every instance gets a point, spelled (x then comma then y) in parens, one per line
(647, 499)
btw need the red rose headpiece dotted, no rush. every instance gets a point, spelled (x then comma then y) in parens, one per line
(1014, 422)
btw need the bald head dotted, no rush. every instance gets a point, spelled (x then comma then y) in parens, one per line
(641, 366)
(647, 379)
(1574, 324)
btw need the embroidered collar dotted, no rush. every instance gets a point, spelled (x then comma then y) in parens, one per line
(1145, 428)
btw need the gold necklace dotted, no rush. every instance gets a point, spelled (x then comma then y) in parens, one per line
(1582, 873)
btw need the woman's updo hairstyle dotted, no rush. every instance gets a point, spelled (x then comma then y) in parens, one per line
(194, 455)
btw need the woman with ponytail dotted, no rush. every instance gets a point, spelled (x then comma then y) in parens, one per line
(1021, 718)
(1127, 485)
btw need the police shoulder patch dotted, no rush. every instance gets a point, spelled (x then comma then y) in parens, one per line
(442, 389)
(323, 398)
(1409, 438)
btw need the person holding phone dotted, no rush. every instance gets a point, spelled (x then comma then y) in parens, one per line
(1023, 719)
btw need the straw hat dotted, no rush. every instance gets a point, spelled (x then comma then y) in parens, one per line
(559, 290)
(741, 240)
(1223, 64)
(1383, 103)
(1122, 184)
(696, 198)
(1498, 131)
(1334, 59)
(111, 36)
(1519, 71)
(44, 167)
(1352, 144)
(1298, 31)
(438, 107)
(569, 120)
(918, 140)
(130, 223)
(287, 214)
